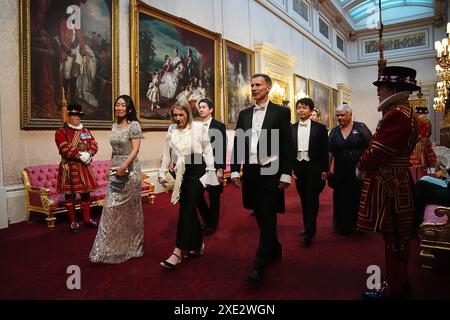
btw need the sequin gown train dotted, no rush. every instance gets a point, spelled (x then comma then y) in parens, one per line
(120, 234)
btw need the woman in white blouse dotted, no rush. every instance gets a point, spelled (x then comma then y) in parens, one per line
(188, 147)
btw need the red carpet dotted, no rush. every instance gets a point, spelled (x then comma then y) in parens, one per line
(34, 260)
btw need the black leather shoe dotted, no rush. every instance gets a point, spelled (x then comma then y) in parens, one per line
(375, 295)
(74, 228)
(170, 266)
(91, 224)
(384, 294)
(197, 253)
(208, 230)
(257, 275)
(306, 241)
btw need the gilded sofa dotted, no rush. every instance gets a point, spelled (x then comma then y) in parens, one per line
(434, 233)
(41, 196)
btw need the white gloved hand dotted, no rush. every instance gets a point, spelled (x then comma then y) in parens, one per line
(360, 174)
(85, 157)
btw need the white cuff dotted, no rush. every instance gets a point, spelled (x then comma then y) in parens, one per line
(209, 179)
(162, 173)
(235, 175)
(285, 178)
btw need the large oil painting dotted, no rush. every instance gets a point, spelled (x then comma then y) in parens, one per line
(321, 96)
(175, 62)
(68, 45)
(239, 67)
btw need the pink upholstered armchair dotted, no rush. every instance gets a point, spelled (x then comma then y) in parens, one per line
(41, 196)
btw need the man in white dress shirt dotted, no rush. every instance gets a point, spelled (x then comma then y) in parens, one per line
(310, 140)
(218, 139)
(262, 144)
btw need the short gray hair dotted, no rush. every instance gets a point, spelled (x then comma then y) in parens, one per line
(344, 107)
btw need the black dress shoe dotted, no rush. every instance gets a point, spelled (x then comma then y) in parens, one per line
(257, 275)
(74, 228)
(91, 224)
(197, 253)
(386, 294)
(382, 295)
(208, 230)
(170, 266)
(306, 241)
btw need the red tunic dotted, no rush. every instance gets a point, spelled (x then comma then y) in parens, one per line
(386, 203)
(423, 155)
(80, 177)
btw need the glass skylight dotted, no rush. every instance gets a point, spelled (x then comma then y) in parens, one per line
(365, 13)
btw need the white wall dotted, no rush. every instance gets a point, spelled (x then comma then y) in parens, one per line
(364, 93)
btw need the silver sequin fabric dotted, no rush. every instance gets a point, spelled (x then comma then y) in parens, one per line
(120, 234)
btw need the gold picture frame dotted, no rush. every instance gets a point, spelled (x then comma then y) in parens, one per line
(300, 87)
(87, 65)
(173, 61)
(238, 66)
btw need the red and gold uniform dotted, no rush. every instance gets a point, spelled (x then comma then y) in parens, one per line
(423, 156)
(79, 177)
(386, 204)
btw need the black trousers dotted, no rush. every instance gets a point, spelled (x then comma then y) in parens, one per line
(263, 190)
(189, 233)
(309, 185)
(210, 214)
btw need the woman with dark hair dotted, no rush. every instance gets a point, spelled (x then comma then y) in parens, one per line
(120, 234)
(188, 146)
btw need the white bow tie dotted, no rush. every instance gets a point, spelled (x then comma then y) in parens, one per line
(304, 124)
(261, 108)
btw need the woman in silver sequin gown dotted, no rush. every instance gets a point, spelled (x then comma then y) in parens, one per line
(120, 234)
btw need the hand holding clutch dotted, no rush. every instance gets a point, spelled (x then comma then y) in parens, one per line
(168, 181)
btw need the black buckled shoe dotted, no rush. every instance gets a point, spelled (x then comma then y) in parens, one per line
(208, 231)
(375, 294)
(257, 275)
(197, 253)
(74, 227)
(170, 266)
(306, 241)
(91, 224)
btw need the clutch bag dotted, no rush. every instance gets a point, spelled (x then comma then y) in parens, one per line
(169, 183)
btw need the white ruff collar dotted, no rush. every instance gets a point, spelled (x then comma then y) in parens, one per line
(389, 101)
(78, 127)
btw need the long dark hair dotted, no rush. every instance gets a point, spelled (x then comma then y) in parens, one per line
(129, 104)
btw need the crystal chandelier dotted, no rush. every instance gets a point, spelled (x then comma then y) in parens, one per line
(419, 104)
(277, 94)
(442, 72)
